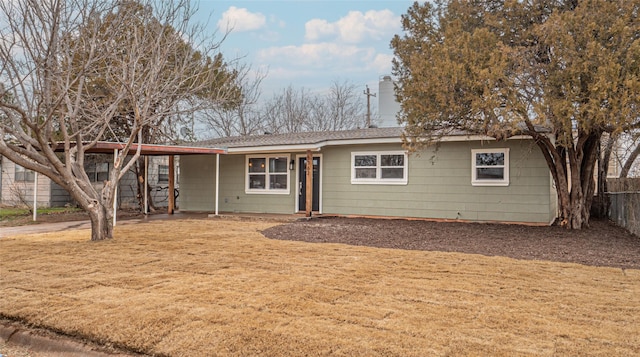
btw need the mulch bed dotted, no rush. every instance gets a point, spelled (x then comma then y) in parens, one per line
(603, 244)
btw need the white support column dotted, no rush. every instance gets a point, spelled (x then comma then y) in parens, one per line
(35, 196)
(115, 193)
(217, 181)
(146, 184)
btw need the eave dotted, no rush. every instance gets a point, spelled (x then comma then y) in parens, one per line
(105, 147)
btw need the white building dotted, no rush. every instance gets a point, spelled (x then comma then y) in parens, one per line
(388, 107)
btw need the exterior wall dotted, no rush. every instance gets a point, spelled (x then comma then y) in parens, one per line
(128, 186)
(59, 196)
(197, 187)
(439, 186)
(18, 193)
(51, 194)
(160, 189)
(127, 191)
(197, 182)
(232, 190)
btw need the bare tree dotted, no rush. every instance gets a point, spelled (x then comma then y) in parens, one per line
(296, 110)
(345, 108)
(623, 150)
(73, 71)
(287, 111)
(630, 144)
(242, 117)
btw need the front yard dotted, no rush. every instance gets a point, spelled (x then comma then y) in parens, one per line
(219, 287)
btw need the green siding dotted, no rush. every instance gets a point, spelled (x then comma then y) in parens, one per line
(197, 187)
(439, 186)
(232, 190)
(197, 183)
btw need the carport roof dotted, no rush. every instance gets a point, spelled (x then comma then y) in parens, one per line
(105, 147)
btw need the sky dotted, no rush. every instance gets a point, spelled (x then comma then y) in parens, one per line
(308, 44)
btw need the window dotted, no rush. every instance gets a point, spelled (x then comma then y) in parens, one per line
(24, 175)
(97, 172)
(267, 174)
(163, 173)
(102, 171)
(379, 168)
(490, 167)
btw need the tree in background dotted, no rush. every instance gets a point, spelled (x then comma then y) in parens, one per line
(76, 72)
(561, 72)
(241, 118)
(291, 110)
(287, 111)
(629, 145)
(341, 108)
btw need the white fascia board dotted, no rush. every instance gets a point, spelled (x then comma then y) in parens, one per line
(312, 147)
(276, 148)
(318, 146)
(397, 140)
(480, 138)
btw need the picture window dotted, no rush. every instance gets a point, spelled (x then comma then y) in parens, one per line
(267, 174)
(379, 167)
(490, 167)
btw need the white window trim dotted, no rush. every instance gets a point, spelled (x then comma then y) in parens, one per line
(378, 180)
(266, 190)
(484, 182)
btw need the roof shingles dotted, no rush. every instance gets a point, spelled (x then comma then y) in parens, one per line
(302, 138)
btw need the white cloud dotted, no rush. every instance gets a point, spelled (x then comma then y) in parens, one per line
(275, 20)
(382, 63)
(241, 19)
(316, 29)
(355, 27)
(318, 56)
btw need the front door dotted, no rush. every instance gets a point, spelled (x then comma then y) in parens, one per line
(302, 189)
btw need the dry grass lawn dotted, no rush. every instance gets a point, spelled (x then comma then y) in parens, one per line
(218, 287)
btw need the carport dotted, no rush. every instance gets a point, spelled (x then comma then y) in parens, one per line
(146, 150)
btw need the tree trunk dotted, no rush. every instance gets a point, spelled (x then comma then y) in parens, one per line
(101, 223)
(140, 171)
(140, 175)
(577, 219)
(601, 204)
(572, 208)
(574, 186)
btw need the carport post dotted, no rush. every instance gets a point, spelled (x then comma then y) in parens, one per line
(35, 196)
(172, 196)
(115, 191)
(217, 181)
(309, 183)
(146, 184)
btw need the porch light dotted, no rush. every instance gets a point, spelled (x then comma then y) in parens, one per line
(292, 164)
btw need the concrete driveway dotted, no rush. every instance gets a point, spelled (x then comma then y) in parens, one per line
(65, 226)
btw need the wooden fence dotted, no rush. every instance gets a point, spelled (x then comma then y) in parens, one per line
(624, 195)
